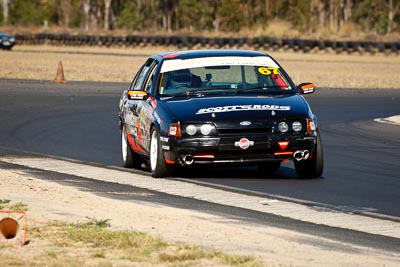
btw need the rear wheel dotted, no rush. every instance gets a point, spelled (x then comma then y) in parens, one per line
(129, 158)
(158, 166)
(313, 167)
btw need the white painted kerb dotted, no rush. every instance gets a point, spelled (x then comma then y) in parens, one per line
(200, 192)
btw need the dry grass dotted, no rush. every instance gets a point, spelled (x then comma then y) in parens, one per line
(93, 243)
(120, 65)
(80, 64)
(343, 71)
(90, 245)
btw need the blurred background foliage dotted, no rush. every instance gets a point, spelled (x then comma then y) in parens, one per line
(357, 19)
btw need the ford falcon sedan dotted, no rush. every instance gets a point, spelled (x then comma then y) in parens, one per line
(218, 107)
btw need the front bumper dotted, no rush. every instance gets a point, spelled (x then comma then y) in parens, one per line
(6, 44)
(227, 150)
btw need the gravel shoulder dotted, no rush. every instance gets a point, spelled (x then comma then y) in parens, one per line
(49, 201)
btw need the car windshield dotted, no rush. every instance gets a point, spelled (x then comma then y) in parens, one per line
(220, 77)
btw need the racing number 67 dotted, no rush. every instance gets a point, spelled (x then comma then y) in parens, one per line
(268, 70)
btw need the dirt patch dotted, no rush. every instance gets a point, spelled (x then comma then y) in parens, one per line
(51, 201)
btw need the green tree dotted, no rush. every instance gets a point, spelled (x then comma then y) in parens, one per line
(129, 17)
(378, 16)
(194, 15)
(299, 14)
(75, 14)
(371, 15)
(34, 12)
(231, 15)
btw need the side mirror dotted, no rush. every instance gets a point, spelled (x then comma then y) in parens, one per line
(137, 95)
(306, 88)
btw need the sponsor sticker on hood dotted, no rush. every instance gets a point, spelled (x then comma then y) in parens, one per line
(241, 108)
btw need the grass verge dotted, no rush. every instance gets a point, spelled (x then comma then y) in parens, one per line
(94, 243)
(5, 204)
(88, 244)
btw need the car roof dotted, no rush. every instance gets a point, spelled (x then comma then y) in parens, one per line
(5, 34)
(208, 53)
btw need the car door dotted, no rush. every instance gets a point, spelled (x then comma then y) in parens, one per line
(139, 111)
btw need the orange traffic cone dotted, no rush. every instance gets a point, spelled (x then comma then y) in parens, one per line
(60, 74)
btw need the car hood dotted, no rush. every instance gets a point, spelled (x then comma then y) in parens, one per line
(237, 108)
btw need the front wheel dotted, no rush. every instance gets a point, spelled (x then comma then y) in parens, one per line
(311, 168)
(129, 158)
(158, 166)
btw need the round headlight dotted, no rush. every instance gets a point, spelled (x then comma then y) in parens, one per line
(206, 129)
(191, 129)
(296, 126)
(283, 127)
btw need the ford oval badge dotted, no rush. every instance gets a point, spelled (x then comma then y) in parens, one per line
(245, 123)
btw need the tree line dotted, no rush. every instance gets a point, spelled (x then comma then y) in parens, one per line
(218, 16)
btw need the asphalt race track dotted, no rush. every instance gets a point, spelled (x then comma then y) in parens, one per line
(78, 120)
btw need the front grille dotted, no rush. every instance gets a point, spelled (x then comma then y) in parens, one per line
(261, 142)
(244, 131)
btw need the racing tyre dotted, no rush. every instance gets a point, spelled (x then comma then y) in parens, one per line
(269, 167)
(129, 158)
(311, 168)
(158, 166)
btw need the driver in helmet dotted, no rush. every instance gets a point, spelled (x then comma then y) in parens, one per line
(179, 78)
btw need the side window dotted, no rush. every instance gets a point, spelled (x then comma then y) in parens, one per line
(132, 85)
(151, 76)
(141, 76)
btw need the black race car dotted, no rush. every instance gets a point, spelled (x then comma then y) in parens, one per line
(227, 107)
(7, 41)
